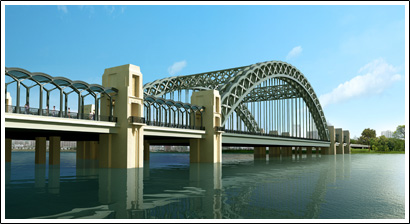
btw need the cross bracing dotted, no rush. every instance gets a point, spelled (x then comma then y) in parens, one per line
(271, 93)
(241, 86)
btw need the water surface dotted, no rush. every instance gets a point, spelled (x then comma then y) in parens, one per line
(358, 186)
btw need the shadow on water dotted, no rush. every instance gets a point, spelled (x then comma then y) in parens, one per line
(275, 188)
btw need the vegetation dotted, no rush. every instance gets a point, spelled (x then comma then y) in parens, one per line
(382, 143)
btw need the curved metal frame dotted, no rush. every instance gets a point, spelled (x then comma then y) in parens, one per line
(236, 84)
(61, 83)
(173, 110)
(243, 84)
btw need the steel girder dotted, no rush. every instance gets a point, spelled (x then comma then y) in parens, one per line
(247, 118)
(241, 85)
(268, 93)
(208, 80)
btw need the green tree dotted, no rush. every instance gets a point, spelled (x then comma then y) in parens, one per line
(399, 133)
(367, 134)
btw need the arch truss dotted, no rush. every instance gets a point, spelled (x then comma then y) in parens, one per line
(268, 97)
(83, 89)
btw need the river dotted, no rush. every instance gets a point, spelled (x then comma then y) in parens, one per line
(358, 186)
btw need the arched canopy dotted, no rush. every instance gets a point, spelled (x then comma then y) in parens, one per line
(19, 74)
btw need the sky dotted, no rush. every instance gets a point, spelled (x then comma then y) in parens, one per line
(353, 55)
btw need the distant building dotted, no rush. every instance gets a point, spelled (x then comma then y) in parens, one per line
(387, 134)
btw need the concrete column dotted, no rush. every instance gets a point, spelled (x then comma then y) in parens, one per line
(309, 151)
(259, 152)
(8, 149)
(128, 141)
(209, 149)
(54, 150)
(317, 150)
(300, 151)
(40, 150)
(146, 150)
(286, 150)
(274, 151)
(346, 135)
(80, 151)
(104, 150)
(283, 151)
(331, 150)
(91, 148)
(340, 147)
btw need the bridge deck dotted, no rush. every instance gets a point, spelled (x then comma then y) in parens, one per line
(243, 139)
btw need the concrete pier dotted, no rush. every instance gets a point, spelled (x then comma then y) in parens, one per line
(259, 153)
(340, 147)
(208, 149)
(54, 150)
(346, 135)
(8, 149)
(146, 150)
(40, 150)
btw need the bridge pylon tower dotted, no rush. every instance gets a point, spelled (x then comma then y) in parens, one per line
(208, 149)
(124, 149)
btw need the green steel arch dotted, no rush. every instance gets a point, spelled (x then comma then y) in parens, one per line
(240, 84)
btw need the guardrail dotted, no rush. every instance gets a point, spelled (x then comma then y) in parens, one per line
(57, 113)
(173, 125)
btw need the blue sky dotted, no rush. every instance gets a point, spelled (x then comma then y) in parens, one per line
(354, 56)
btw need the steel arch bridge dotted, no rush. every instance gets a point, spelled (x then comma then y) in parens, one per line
(271, 97)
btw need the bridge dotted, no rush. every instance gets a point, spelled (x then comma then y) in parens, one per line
(270, 106)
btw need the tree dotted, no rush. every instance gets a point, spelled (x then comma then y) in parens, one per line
(367, 134)
(399, 133)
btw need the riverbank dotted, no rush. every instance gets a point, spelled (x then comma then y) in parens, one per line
(356, 151)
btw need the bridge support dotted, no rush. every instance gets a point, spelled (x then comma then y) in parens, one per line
(208, 149)
(259, 152)
(286, 150)
(54, 150)
(309, 151)
(40, 150)
(8, 149)
(105, 150)
(146, 150)
(80, 151)
(332, 149)
(274, 151)
(340, 147)
(346, 135)
(128, 142)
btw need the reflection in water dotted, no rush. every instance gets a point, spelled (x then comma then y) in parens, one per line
(276, 188)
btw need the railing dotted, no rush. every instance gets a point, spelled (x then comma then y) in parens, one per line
(173, 125)
(220, 128)
(271, 135)
(134, 119)
(57, 113)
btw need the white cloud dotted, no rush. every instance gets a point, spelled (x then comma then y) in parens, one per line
(176, 67)
(294, 52)
(377, 76)
(62, 8)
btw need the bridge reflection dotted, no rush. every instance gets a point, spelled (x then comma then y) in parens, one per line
(275, 188)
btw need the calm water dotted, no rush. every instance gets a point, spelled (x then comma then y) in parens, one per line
(355, 186)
